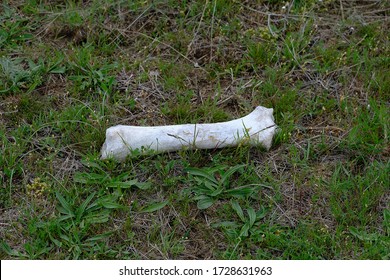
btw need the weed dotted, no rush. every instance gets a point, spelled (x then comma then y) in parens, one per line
(247, 226)
(212, 184)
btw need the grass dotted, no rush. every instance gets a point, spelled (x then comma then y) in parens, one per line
(71, 69)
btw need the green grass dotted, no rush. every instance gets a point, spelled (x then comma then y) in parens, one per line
(69, 70)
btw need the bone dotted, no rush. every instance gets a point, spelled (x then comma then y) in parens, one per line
(255, 129)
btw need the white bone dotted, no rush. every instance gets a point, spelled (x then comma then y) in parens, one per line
(257, 128)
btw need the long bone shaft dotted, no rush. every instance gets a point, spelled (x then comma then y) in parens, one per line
(257, 128)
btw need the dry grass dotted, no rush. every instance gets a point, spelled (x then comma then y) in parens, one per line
(322, 66)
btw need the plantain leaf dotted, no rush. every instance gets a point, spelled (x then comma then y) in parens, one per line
(80, 211)
(240, 192)
(363, 235)
(386, 220)
(236, 207)
(109, 203)
(244, 230)
(99, 237)
(216, 192)
(123, 185)
(205, 202)
(90, 178)
(65, 206)
(7, 249)
(154, 207)
(98, 218)
(143, 185)
(261, 213)
(230, 172)
(252, 216)
(201, 173)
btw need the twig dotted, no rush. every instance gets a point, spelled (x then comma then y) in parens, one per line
(269, 26)
(197, 29)
(265, 128)
(212, 29)
(323, 128)
(132, 23)
(9, 112)
(342, 10)
(276, 15)
(292, 222)
(137, 18)
(172, 48)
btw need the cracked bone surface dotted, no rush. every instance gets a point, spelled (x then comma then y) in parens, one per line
(257, 128)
